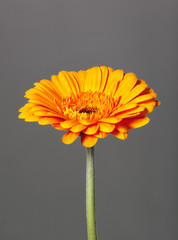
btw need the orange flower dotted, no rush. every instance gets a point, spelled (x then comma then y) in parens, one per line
(92, 103)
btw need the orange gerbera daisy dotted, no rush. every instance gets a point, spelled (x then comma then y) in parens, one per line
(92, 103)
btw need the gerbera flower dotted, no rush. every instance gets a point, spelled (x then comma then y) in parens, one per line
(91, 103)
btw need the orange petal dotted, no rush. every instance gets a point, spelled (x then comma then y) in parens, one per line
(68, 82)
(58, 126)
(157, 103)
(86, 122)
(49, 84)
(52, 114)
(111, 120)
(41, 113)
(135, 92)
(136, 114)
(47, 114)
(57, 84)
(68, 124)
(88, 140)
(121, 128)
(48, 120)
(136, 122)
(32, 118)
(148, 109)
(79, 79)
(106, 127)
(126, 85)
(26, 107)
(28, 117)
(78, 128)
(42, 91)
(119, 134)
(47, 87)
(113, 80)
(144, 97)
(70, 137)
(82, 75)
(124, 108)
(131, 112)
(105, 72)
(90, 130)
(23, 115)
(149, 105)
(101, 134)
(44, 102)
(38, 108)
(93, 79)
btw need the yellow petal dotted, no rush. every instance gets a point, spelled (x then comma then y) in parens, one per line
(106, 127)
(88, 140)
(90, 130)
(70, 137)
(120, 135)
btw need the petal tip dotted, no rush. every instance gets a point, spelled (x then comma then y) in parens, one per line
(88, 140)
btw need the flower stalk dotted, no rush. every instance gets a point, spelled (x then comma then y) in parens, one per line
(90, 194)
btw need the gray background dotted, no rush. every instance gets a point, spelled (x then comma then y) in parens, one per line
(42, 181)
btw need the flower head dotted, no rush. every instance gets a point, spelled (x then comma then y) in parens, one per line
(92, 103)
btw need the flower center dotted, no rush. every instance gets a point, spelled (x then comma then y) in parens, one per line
(88, 110)
(87, 105)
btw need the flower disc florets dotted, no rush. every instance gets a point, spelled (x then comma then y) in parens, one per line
(87, 105)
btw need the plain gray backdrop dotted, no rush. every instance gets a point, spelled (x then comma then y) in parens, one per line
(42, 181)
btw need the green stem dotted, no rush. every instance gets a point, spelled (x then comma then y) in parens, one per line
(90, 194)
